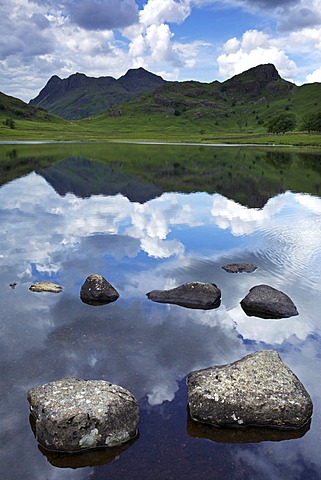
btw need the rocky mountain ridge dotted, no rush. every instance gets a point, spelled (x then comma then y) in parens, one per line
(79, 96)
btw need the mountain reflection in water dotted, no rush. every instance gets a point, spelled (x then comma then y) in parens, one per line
(56, 229)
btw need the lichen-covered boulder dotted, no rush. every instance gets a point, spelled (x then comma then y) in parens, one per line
(259, 391)
(45, 287)
(98, 291)
(239, 268)
(267, 302)
(72, 414)
(192, 294)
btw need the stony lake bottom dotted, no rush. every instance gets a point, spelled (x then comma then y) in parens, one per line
(153, 217)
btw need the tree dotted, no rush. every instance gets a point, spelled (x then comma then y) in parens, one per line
(311, 122)
(281, 123)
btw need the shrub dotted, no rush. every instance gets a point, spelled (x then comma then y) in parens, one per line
(9, 122)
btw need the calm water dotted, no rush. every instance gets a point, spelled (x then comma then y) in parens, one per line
(154, 217)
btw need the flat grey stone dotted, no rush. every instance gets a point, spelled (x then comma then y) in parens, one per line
(192, 294)
(72, 414)
(259, 391)
(45, 287)
(267, 302)
(98, 291)
(239, 268)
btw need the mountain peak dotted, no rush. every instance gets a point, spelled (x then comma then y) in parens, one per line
(256, 80)
(139, 78)
(266, 73)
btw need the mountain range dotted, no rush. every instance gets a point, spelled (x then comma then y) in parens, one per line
(140, 91)
(79, 96)
(141, 101)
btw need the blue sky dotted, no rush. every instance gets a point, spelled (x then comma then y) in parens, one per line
(202, 40)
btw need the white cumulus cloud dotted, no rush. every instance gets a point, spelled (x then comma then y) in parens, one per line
(254, 48)
(315, 76)
(160, 11)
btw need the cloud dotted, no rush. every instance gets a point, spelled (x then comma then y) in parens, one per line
(28, 38)
(160, 11)
(254, 48)
(102, 14)
(108, 37)
(299, 18)
(269, 4)
(315, 76)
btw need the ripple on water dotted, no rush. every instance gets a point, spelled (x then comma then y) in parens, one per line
(291, 247)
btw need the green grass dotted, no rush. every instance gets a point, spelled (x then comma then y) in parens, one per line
(138, 128)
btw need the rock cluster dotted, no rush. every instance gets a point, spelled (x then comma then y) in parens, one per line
(258, 390)
(72, 414)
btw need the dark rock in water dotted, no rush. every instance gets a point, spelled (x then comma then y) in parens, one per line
(191, 295)
(267, 302)
(97, 291)
(239, 268)
(45, 287)
(73, 415)
(259, 391)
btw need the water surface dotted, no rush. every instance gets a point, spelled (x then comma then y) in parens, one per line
(152, 217)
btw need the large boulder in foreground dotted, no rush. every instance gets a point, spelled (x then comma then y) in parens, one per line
(267, 302)
(191, 294)
(259, 391)
(72, 414)
(98, 291)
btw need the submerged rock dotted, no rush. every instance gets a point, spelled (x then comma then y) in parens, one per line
(45, 287)
(239, 268)
(192, 295)
(259, 391)
(86, 458)
(244, 435)
(72, 414)
(97, 291)
(267, 302)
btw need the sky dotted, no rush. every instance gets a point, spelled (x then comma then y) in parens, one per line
(203, 40)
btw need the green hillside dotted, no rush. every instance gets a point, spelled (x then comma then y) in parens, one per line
(240, 105)
(11, 107)
(234, 111)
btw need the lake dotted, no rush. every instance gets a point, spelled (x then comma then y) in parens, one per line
(153, 217)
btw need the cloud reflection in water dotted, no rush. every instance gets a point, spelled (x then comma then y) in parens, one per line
(145, 347)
